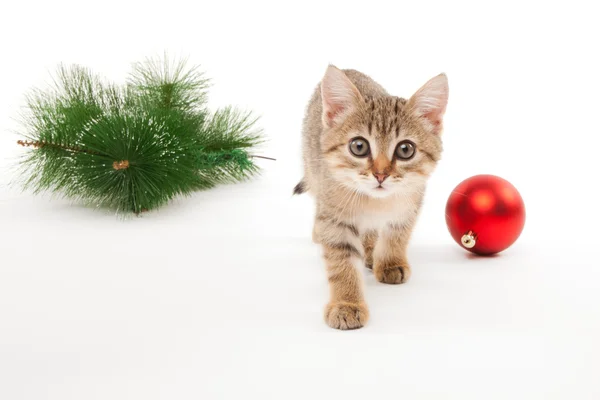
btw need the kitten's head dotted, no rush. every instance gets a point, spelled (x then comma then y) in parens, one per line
(382, 145)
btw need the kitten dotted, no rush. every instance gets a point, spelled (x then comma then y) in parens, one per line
(367, 157)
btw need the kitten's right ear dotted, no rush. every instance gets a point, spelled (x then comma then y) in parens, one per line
(340, 96)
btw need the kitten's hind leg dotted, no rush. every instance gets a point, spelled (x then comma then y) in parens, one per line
(316, 226)
(369, 239)
(315, 235)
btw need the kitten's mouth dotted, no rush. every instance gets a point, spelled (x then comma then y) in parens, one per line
(379, 191)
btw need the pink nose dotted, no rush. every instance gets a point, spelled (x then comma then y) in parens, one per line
(380, 177)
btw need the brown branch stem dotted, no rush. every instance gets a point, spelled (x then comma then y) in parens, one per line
(263, 157)
(38, 144)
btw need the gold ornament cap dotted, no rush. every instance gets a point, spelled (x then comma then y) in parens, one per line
(469, 240)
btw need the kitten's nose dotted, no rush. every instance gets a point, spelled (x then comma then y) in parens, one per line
(380, 177)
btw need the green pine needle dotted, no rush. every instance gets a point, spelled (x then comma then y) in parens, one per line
(136, 147)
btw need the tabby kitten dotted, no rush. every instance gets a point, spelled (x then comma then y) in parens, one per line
(367, 157)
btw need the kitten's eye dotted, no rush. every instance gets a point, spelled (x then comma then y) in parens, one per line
(405, 150)
(359, 147)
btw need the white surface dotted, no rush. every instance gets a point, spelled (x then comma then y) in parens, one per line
(220, 295)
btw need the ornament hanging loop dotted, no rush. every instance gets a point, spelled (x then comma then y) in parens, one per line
(469, 240)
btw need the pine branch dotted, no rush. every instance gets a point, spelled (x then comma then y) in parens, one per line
(138, 146)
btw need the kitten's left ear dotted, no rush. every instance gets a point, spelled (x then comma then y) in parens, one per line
(429, 102)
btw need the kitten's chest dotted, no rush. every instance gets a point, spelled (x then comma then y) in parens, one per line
(376, 216)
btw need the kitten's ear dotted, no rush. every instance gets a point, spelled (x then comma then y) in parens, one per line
(340, 96)
(429, 102)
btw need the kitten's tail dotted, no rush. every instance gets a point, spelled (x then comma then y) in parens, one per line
(300, 187)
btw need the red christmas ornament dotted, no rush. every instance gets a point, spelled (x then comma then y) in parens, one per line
(485, 214)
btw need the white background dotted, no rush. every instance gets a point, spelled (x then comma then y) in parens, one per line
(220, 296)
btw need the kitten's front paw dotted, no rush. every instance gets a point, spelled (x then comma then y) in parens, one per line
(343, 315)
(393, 274)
